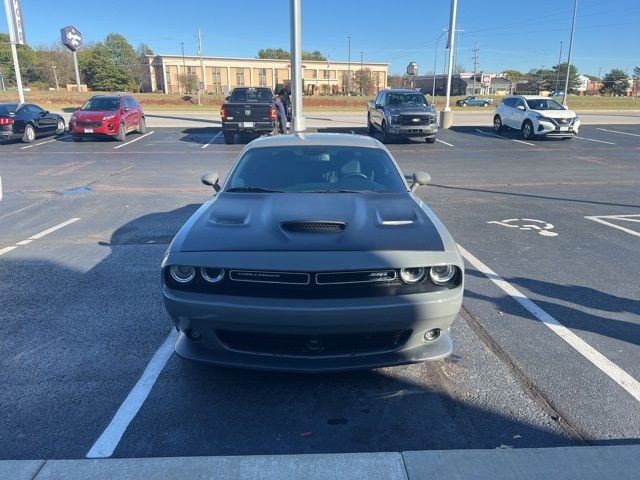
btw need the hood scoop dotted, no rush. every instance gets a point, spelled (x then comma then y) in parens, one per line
(313, 227)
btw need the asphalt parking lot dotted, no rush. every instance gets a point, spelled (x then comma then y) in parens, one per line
(83, 227)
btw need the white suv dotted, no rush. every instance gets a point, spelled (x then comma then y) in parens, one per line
(535, 116)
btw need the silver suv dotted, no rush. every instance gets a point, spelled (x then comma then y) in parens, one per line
(535, 116)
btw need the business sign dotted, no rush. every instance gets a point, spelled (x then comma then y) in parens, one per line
(71, 38)
(412, 68)
(16, 33)
(486, 80)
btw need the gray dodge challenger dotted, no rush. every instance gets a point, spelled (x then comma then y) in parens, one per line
(313, 255)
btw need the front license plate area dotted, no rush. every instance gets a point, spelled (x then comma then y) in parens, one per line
(564, 129)
(248, 124)
(88, 130)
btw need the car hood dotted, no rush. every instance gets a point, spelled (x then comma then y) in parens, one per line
(409, 109)
(91, 116)
(556, 113)
(254, 222)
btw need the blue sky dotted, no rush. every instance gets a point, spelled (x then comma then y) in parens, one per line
(519, 35)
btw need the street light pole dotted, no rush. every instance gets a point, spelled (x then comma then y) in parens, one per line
(361, 75)
(349, 65)
(559, 60)
(447, 117)
(573, 25)
(297, 119)
(184, 66)
(435, 64)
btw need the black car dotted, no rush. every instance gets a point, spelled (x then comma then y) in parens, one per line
(28, 121)
(249, 110)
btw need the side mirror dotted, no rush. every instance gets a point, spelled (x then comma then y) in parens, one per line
(520, 107)
(379, 106)
(211, 180)
(420, 179)
(227, 98)
(44, 113)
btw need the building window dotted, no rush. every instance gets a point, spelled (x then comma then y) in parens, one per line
(314, 73)
(240, 77)
(262, 76)
(191, 70)
(326, 74)
(276, 79)
(167, 75)
(216, 80)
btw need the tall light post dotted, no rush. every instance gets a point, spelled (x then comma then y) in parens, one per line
(435, 64)
(297, 117)
(349, 65)
(559, 60)
(573, 26)
(184, 66)
(447, 116)
(361, 75)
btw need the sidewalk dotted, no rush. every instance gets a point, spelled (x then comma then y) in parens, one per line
(584, 463)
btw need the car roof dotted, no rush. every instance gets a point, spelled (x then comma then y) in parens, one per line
(315, 139)
(529, 97)
(402, 90)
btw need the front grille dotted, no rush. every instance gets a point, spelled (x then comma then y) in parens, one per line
(314, 227)
(314, 345)
(410, 119)
(88, 124)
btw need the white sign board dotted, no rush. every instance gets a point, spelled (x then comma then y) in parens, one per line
(486, 80)
(16, 32)
(71, 38)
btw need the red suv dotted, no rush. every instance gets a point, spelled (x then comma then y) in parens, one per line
(107, 115)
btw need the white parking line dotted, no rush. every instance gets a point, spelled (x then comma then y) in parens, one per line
(617, 131)
(134, 140)
(613, 371)
(442, 141)
(491, 134)
(624, 218)
(42, 143)
(594, 140)
(108, 441)
(212, 140)
(521, 141)
(38, 235)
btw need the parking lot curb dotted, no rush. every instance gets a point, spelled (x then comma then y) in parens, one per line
(619, 462)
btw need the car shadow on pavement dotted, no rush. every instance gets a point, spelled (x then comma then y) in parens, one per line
(189, 119)
(506, 133)
(200, 135)
(575, 307)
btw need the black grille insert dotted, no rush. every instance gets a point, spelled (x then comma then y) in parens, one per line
(314, 227)
(88, 124)
(314, 345)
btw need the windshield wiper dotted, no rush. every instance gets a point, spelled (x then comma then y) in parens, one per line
(253, 189)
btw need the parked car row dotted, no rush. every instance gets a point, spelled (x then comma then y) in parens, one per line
(111, 116)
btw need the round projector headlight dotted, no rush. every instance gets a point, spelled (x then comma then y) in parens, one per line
(442, 274)
(182, 273)
(212, 275)
(412, 275)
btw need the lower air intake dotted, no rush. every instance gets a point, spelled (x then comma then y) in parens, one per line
(314, 227)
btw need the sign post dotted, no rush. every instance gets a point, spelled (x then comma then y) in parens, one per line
(72, 39)
(16, 37)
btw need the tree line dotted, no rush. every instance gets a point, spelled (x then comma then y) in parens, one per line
(110, 65)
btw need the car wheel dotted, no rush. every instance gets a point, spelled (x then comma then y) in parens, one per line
(497, 124)
(486, 104)
(142, 126)
(527, 130)
(60, 128)
(229, 138)
(122, 133)
(371, 130)
(29, 134)
(385, 138)
(76, 138)
(463, 104)
(430, 139)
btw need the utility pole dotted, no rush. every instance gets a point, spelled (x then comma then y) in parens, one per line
(204, 84)
(573, 25)
(559, 61)
(361, 75)
(297, 118)
(475, 65)
(14, 51)
(184, 65)
(447, 117)
(435, 65)
(55, 75)
(349, 65)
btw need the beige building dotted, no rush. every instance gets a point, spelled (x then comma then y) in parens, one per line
(177, 74)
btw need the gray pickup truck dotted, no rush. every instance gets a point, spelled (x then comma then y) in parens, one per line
(402, 113)
(248, 110)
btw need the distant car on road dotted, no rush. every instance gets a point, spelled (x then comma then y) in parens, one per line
(248, 110)
(315, 255)
(473, 101)
(535, 116)
(556, 94)
(107, 116)
(399, 113)
(28, 121)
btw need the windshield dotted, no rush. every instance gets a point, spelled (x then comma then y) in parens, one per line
(407, 99)
(261, 95)
(101, 104)
(316, 169)
(544, 104)
(8, 108)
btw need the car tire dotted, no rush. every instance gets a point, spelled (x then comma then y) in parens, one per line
(463, 104)
(142, 126)
(29, 134)
(430, 139)
(122, 133)
(497, 124)
(76, 138)
(371, 130)
(527, 130)
(229, 138)
(485, 104)
(60, 128)
(385, 138)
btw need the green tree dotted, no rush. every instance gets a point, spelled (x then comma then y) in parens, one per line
(315, 55)
(111, 65)
(616, 82)
(27, 59)
(636, 80)
(514, 75)
(552, 76)
(365, 81)
(142, 74)
(273, 53)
